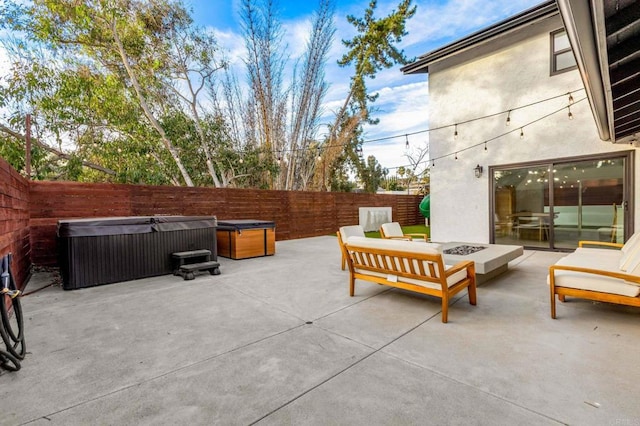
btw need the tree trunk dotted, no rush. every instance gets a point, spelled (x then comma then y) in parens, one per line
(143, 103)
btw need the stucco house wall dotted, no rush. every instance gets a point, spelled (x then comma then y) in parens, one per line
(498, 75)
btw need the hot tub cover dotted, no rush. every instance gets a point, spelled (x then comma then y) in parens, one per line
(244, 224)
(131, 225)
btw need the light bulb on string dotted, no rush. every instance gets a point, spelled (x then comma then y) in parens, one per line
(570, 113)
(521, 133)
(455, 132)
(406, 145)
(508, 118)
(485, 146)
(570, 99)
(456, 157)
(433, 163)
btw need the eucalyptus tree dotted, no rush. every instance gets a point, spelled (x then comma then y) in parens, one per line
(136, 64)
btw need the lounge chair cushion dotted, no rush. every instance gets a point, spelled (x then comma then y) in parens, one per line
(411, 246)
(392, 229)
(351, 231)
(628, 257)
(630, 253)
(592, 282)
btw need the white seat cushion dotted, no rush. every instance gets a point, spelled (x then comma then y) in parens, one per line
(392, 229)
(630, 253)
(400, 245)
(599, 283)
(351, 231)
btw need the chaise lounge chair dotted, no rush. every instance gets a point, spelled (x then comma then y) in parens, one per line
(393, 231)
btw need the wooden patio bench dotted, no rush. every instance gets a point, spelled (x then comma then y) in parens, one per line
(413, 266)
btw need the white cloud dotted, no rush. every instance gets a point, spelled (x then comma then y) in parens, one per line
(232, 45)
(403, 100)
(436, 24)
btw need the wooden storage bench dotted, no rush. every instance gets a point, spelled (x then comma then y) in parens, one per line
(241, 239)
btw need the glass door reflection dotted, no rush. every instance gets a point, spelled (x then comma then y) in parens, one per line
(588, 198)
(556, 205)
(521, 214)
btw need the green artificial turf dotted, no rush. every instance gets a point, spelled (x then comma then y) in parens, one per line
(412, 229)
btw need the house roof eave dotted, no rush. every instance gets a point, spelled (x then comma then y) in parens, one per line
(579, 24)
(543, 10)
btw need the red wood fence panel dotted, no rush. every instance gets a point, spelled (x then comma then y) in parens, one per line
(297, 214)
(14, 221)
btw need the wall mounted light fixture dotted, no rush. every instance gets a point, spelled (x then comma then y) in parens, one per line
(478, 171)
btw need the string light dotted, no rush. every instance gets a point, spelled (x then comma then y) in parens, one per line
(433, 163)
(292, 150)
(455, 153)
(455, 132)
(521, 133)
(406, 135)
(406, 145)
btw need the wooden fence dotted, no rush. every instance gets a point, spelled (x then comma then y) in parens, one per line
(296, 214)
(14, 220)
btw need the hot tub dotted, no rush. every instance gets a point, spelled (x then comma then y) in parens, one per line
(243, 238)
(98, 251)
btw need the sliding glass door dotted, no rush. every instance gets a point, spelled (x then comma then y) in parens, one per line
(556, 204)
(520, 215)
(589, 202)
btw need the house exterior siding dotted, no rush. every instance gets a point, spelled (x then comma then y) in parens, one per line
(501, 74)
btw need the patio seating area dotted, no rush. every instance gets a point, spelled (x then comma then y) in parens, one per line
(278, 340)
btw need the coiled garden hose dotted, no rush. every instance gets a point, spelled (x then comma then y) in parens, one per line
(11, 321)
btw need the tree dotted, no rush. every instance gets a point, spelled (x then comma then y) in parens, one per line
(282, 120)
(124, 60)
(372, 174)
(370, 51)
(415, 157)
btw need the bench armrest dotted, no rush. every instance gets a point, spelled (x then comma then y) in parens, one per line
(631, 279)
(426, 238)
(599, 243)
(459, 267)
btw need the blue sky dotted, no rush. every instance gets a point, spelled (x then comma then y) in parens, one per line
(402, 104)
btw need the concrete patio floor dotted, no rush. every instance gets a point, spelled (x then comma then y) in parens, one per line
(278, 340)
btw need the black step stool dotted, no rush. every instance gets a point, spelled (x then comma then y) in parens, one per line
(186, 263)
